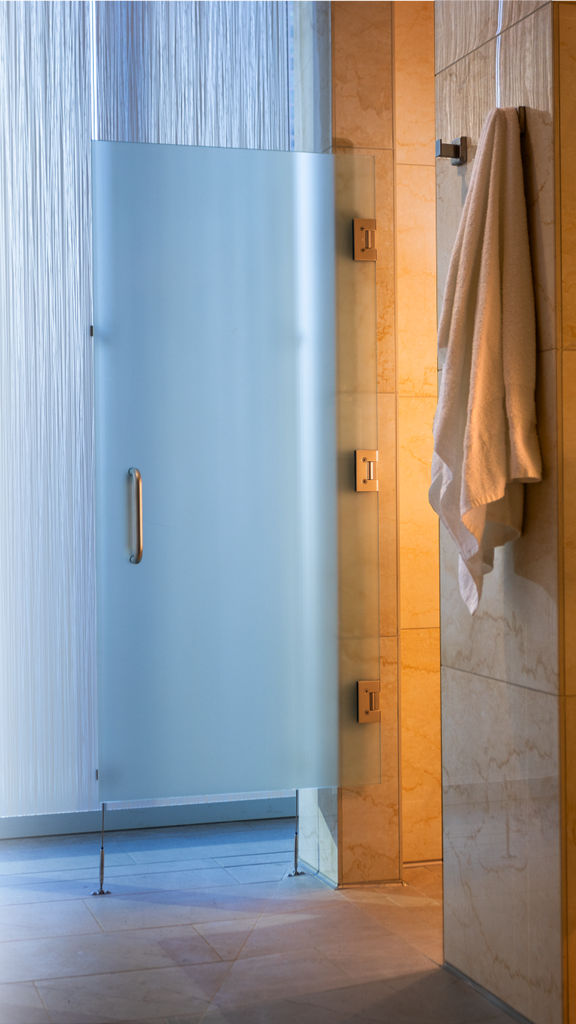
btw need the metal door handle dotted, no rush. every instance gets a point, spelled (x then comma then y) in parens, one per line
(136, 475)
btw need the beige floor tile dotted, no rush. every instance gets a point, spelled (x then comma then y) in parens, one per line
(132, 995)
(227, 937)
(63, 957)
(262, 952)
(257, 980)
(34, 921)
(21, 1004)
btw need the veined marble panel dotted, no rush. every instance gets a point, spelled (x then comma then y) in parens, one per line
(570, 818)
(416, 280)
(421, 747)
(465, 95)
(514, 10)
(358, 521)
(385, 282)
(466, 92)
(355, 280)
(567, 110)
(369, 825)
(387, 521)
(502, 882)
(458, 35)
(413, 26)
(527, 79)
(417, 523)
(308, 828)
(318, 831)
(359, 745)
(362, 74)
(514, 634)
(569, 431)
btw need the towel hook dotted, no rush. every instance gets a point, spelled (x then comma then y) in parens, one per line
(457, 150)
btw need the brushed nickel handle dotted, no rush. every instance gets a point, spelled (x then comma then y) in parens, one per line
(136, 475)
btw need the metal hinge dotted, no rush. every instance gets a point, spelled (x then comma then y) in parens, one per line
(366, 469)
(365, 239)
(368, 701)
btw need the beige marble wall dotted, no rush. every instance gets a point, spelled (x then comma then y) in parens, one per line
(501, 687)
(416, 383)
(566, 187)
(362, 131)
(383, 108)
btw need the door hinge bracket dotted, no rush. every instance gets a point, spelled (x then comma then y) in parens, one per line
(368, 701)
(366, 466)
(365, 239)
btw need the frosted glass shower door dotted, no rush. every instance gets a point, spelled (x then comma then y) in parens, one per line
(214, 356)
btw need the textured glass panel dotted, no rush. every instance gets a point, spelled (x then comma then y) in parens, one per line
(210, 74)
(310, 77)
(214, 334)
(47, 608)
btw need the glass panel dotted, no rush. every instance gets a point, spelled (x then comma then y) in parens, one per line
(214, 339)
(357, 428)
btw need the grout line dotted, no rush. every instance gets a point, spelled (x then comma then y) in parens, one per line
(496, 679)
(490, 39)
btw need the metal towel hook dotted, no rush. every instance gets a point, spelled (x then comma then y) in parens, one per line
(457, 150)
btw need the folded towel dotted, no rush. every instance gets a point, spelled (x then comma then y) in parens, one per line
(485, 441)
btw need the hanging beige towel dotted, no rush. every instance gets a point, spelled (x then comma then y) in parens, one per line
(485, 441)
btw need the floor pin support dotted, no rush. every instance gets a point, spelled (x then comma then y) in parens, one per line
(295, 873)
(102, 891)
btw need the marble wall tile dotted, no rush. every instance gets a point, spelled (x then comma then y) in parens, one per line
(387, 520)
(308, 828)
(369, 842)
(514, 10)
(570, 850)
(421, 765)
(526, 79)
(417, 523)
(502, 882)
(567, 115)
(413, 27)
(360, 746)
(458, 33)
(357, 521)
(385, 272)
(362, 76)
(569, 519)
(318, 831)
(355, 281)
(365, 187)
(513, 635)
(416, 280)
(328, 803)
(465, 95)
(526, 64)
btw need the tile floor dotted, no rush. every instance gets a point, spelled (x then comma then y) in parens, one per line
(204, 924)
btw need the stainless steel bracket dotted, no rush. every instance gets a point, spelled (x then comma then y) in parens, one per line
(368, 701)
(366, 469)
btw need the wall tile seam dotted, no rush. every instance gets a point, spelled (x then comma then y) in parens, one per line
(555, 695)
(417, 394)
(491, 39)
(366, 150)
(408, 629)
(417, 163)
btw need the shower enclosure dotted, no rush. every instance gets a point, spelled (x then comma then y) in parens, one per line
(216, 461)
